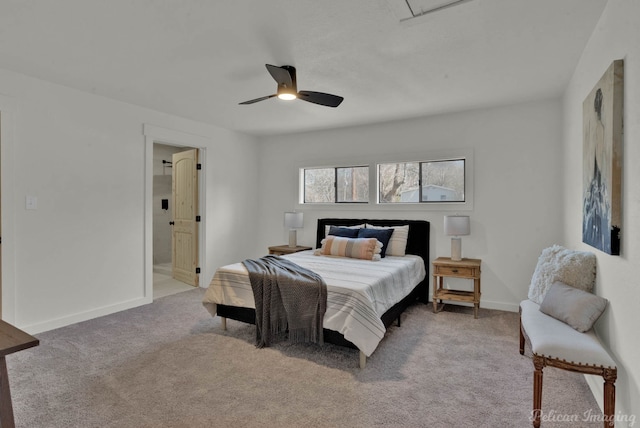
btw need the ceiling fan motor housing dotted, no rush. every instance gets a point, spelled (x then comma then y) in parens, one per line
(284, 88)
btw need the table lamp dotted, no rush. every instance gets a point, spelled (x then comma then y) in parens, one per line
(292, 221)
(456, 226)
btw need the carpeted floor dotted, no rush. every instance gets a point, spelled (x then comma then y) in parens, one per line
(169, 364)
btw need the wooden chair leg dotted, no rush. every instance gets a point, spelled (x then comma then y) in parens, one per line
(538, 364)
(521, 342)
(610, 376)
(6, 409)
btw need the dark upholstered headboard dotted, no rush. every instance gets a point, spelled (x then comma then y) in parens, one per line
(417, 243)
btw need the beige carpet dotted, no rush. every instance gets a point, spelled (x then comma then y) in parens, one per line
(168, 364)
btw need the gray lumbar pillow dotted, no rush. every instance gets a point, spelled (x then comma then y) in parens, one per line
(580, 309)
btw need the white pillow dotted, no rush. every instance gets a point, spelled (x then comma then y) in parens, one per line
(556, 263)
(329, 226)
(398, 242)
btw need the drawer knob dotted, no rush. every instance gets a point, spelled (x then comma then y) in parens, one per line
(454, 270)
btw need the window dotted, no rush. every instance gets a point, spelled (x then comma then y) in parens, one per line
(427, 182)
(336, 185)
(435, 180)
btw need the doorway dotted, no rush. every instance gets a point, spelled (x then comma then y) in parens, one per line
(180, 141)
(174, 255)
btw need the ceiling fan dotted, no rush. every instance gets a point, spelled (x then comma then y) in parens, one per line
(285, 77)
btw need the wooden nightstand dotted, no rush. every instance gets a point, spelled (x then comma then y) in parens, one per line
(280, 250)
(465, 268)
(12, 340)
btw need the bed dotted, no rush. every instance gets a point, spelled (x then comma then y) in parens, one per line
(364, 297)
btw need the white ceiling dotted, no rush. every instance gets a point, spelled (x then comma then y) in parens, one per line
(200, 58)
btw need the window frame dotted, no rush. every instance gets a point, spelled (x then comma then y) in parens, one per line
(420, 164)
(372, 161)
(335, 185)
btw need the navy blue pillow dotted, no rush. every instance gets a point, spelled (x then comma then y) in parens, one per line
(382, 235)
(344, 232)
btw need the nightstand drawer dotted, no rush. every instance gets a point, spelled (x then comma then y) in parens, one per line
(463, 271)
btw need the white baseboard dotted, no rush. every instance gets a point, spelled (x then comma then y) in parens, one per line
(500, 306)
(84, 316)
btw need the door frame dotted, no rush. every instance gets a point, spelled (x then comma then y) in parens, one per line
(155, 134)
(8, 208)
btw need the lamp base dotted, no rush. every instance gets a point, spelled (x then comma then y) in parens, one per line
(292, 238)
(456, 249)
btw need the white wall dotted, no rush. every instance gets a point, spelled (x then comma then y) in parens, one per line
(518, 200)
(81, 253)
(615, 37)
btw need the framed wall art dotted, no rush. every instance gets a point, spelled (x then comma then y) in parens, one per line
(602, 162)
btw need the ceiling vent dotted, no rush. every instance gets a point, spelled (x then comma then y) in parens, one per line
(409, 9)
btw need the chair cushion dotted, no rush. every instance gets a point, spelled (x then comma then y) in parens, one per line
(555, 339)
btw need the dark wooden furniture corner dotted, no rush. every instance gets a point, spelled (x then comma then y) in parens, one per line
(12, 340)
(281, 250)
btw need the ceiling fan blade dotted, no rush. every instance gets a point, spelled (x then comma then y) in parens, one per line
(258, 99)
(281, 75)
(320, 98)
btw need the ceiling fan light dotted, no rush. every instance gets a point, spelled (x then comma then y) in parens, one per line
(287, 96)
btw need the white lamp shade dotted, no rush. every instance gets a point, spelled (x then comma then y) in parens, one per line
(456, 225)
(293, 220)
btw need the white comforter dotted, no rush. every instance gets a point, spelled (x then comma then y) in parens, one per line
(358, 291)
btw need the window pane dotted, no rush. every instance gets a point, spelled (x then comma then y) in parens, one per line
(353, 184)
(415, 182)
(398, 182)
(319, 185)
(442, 181)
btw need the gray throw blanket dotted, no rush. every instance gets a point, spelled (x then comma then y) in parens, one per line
(289, 298)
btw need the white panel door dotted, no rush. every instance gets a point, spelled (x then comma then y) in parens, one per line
(184, 243)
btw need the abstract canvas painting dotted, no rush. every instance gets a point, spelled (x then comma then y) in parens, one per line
(602, 162)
